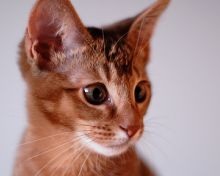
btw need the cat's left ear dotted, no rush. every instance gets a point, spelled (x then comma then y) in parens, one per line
(141, 30)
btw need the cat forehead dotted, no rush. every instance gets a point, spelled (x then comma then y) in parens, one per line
(109, 51)
(107, 72)
(107, 59)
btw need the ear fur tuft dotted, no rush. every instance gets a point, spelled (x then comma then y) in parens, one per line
(54, 28)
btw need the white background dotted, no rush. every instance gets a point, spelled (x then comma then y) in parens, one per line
(184, 117)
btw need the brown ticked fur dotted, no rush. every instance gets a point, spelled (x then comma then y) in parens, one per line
(58, 57)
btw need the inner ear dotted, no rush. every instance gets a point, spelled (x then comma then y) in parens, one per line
(54, 28)
(141, 30)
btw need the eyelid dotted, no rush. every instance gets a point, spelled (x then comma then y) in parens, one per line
(94, 83)
(78, 87)
(147, 82)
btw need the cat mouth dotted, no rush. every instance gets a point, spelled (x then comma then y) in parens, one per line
(109, 150)
(117, 146)
(114, 150)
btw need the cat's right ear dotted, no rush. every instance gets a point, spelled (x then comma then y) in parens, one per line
(54, 29)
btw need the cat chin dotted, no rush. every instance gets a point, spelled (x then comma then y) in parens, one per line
(110, 151)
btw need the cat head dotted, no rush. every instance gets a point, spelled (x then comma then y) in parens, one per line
(90, 80)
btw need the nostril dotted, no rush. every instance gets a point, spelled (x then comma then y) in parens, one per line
(123, 128)
(131, 130)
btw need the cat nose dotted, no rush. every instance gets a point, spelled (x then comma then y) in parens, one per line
(130, 130)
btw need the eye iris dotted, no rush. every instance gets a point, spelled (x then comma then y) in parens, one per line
(140, 93)
(95, 94)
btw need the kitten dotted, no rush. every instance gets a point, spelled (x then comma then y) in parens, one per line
(87, 93)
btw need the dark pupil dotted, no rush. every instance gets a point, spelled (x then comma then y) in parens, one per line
(97, 94)
(140, 94)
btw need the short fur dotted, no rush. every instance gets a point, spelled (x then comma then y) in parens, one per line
(58, 57)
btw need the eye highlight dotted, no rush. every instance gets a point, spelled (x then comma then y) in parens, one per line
(95, 94)
(140, 92)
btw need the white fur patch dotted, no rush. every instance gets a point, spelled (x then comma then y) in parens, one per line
(103, 150)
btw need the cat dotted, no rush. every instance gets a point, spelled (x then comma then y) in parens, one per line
(87, 92)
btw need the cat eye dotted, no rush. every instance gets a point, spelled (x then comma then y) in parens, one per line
(95, 94)
(140, 92)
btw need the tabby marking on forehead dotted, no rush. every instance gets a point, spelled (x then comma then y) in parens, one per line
(116, 50)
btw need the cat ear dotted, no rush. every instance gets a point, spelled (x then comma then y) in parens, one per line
(54, 29)
(141, 30)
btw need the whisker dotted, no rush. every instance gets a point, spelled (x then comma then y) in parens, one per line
(92, 126)
(44, 138)
(54, 148)
(47, 151)
(67, 168)
(157, 148)
(96, 162)
(103, 36)
(141, 49)
(156, 117)
(138, 39)
(152, 123)
(153, 119)
(88, 43)
(73, 159)
(119, 40)
(50, 161)
(65, 159)
(47, 137)
(150, 132)
(155, 123)
(58, 166)
(80, 153)
(85, 124)
(146, 148)
(87, 157)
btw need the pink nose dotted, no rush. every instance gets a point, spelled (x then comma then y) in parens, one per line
(130, 130)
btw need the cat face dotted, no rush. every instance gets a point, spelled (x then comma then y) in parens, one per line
(110, 101)
(90, 80)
